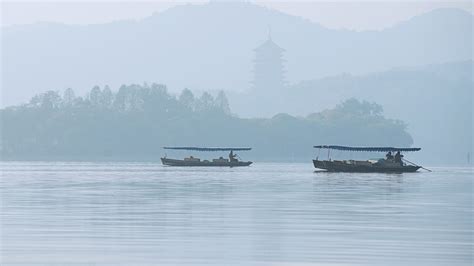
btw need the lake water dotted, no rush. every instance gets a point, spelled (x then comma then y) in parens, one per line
(266, 214)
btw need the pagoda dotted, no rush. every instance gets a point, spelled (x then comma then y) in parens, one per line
(268, 67)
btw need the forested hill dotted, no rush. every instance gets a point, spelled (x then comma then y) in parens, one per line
(212, 46)
(136, 121)
(424, 97)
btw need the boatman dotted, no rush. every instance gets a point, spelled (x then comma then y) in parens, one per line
(232, 156)
(389, 155)
(398, 158)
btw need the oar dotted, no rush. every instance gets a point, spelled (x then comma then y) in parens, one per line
(417, 165)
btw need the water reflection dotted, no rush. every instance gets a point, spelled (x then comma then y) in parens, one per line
(143, 213)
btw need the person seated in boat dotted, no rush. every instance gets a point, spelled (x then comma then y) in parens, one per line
(398, 158)
(232, 157)
(389, 155)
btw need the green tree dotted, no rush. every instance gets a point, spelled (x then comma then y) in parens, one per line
(107, 97)
(69, 97)
(206, 102)
(186, 98)
(222, 102)
(95, 96)
(48, 100)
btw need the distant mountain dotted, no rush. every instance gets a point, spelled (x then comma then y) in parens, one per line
(435, 100)
(210, 47)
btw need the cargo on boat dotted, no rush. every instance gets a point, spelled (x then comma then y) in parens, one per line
(231, 161)
(392, 163)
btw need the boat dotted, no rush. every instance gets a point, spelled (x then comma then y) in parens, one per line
(218, 162)
(390, 164)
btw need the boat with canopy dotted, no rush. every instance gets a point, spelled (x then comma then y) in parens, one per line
(231, 161)
(392, 163)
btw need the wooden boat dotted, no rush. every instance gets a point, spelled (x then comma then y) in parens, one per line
(363, 167)
(175, 162)
(388, 165)
(219, 162)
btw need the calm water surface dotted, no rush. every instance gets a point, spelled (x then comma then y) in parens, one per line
(267, 214)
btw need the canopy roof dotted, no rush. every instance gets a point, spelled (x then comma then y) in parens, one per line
(374, 149)
(206, 149)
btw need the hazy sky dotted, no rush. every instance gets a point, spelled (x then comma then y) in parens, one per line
(335, 14)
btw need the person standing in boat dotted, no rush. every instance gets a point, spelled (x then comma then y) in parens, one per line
(232, 156)
(398, 158)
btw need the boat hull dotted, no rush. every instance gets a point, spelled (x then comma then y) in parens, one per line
(174, 162)
(332, 166)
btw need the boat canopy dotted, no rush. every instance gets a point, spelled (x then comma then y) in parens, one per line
(370, 149)
(207, 149)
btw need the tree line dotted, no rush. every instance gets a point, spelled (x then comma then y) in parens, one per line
(136, 121)
(130, 98)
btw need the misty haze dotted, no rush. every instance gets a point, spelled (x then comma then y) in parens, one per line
(231, 82)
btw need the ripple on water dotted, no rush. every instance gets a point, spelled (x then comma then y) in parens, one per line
(279, 214)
